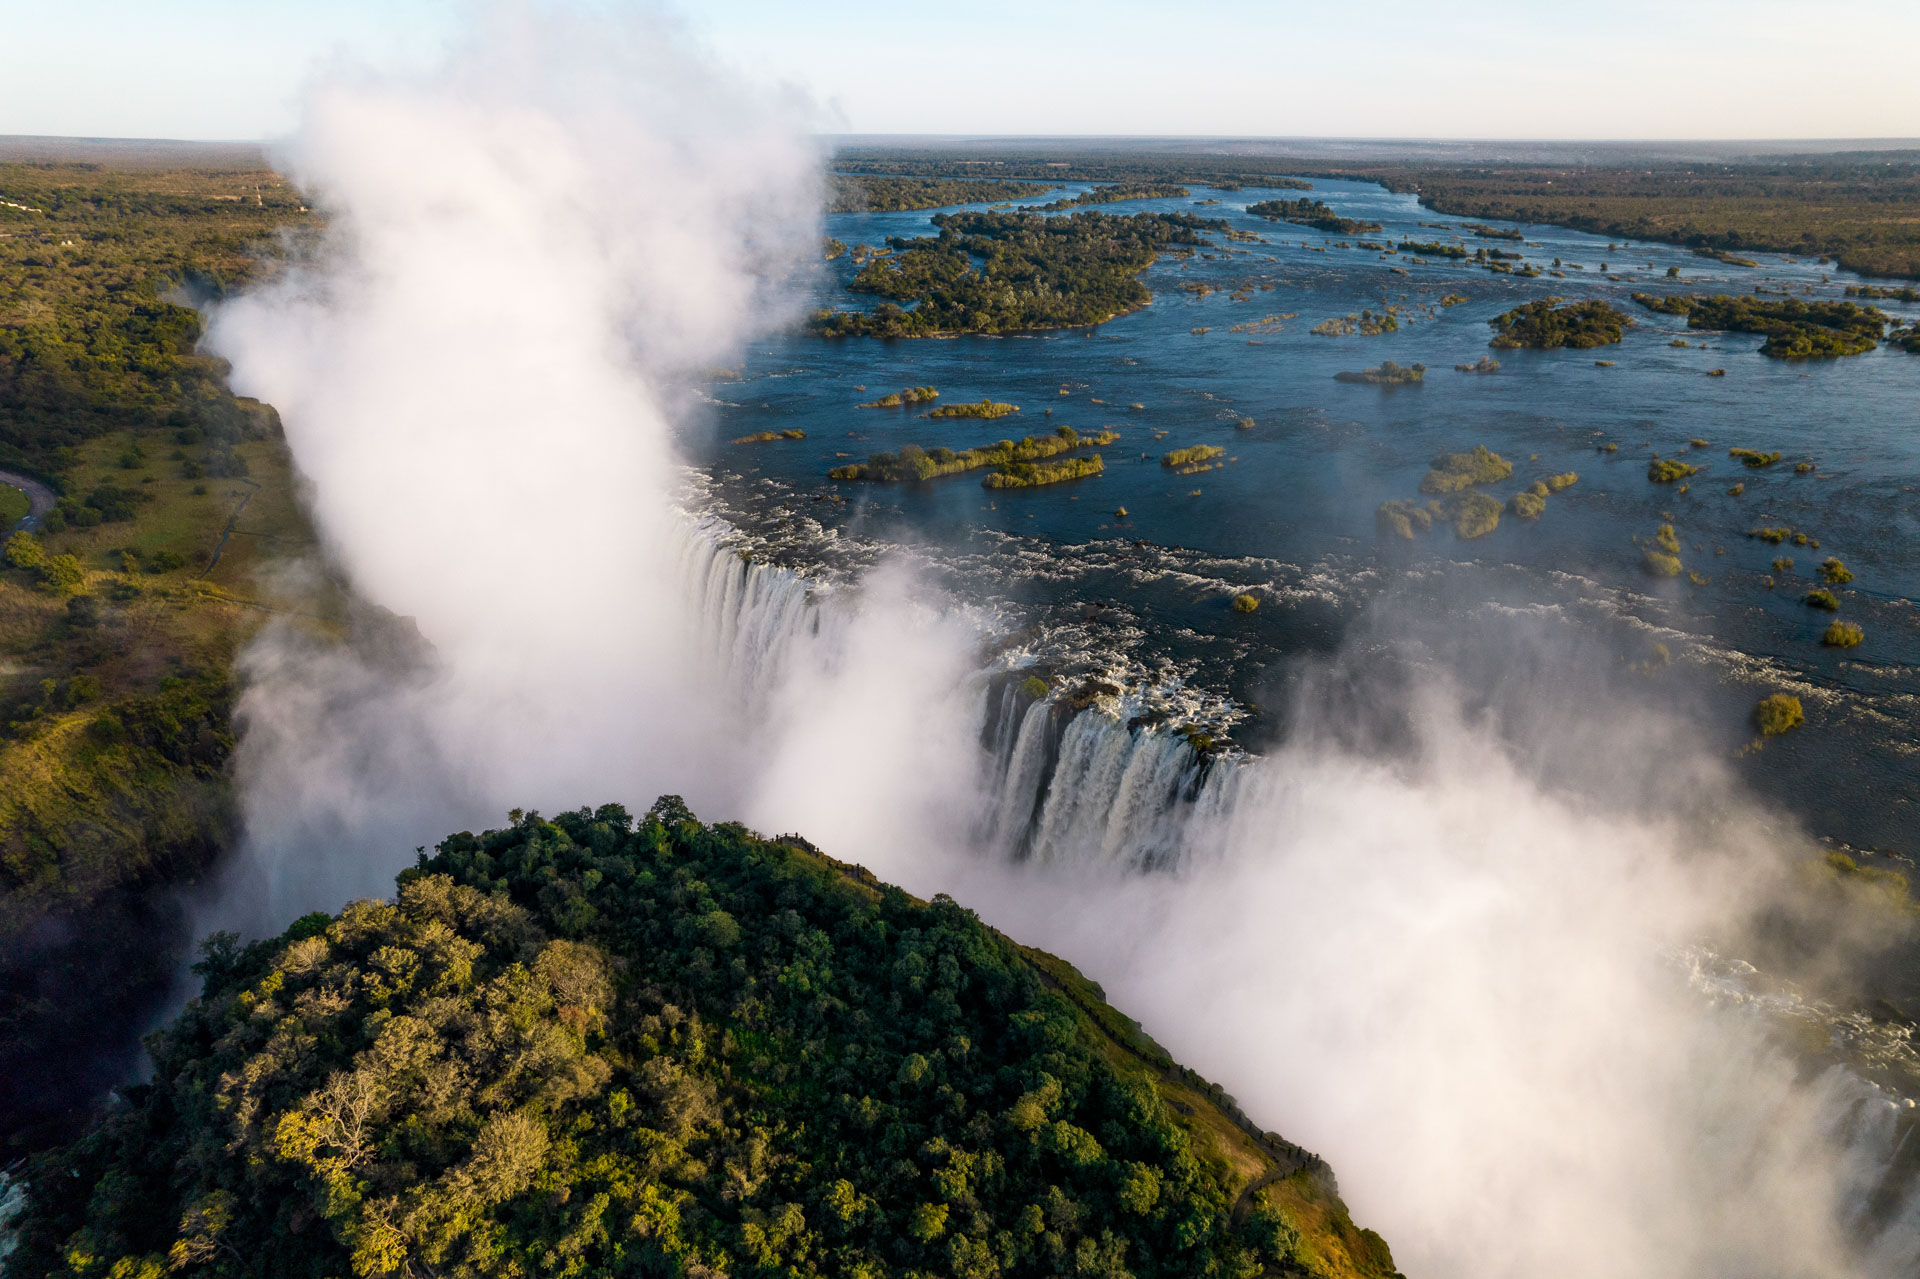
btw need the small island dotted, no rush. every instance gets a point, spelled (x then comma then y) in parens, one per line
(1313, 213)
(903, 399)
(1794, 330)
(1027, 475)
(916, 464)
(1543, 326)
(1665, 470)
(985, 409)
(1117, 192)
(881, 193)
(1011, 272)
(1387, 374)
(1432, 249)
(767, 437)
(1192, 461)
(1453, 472)
(1366, 324)
(1486, 364)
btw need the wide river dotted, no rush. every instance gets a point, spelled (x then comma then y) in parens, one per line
(1291, 517)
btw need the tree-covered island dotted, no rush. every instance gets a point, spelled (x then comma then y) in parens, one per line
(873, 193)
(1035, 272)
(1116, 193)
(916, 463)
(1545, 326)
(1795, 330)
(1314, 213)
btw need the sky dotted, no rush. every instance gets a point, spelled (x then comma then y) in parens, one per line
(1629, 69)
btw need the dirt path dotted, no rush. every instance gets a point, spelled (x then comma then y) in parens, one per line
(39, 498)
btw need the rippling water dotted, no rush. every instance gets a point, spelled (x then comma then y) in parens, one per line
(1292, 516)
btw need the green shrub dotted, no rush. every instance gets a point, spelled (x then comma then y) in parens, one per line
(1403, 519)
(1841, 634)
(1474, 515)
(1245, 603)
(64, 574)
(1452, 472)
(1187, 461)
(1823, 599)
(25, 552)
(1778, 714)
(1661, 564)
(1754, 458)
(1835, 572)
(1665, 470)
(1527, 505)
(1036, 688)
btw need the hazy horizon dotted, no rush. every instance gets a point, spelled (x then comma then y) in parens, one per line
(206, 70)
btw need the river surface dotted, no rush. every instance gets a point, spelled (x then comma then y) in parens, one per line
(1291, 517)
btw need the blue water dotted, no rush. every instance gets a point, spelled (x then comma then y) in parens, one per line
(1292, 516)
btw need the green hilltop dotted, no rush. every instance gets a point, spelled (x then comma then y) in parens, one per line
(600, 1047)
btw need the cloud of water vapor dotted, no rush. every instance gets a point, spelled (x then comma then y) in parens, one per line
(521, 247)
(1480, 996)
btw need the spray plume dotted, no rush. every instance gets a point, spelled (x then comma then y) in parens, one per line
(521, 248)
(1453, 980)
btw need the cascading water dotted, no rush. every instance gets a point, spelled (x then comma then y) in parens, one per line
(1074, 781)
(1084, 778)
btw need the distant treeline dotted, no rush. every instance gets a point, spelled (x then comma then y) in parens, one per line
(1859, 208)
(1229, 173)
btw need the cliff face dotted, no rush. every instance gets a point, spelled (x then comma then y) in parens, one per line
(590, 1046)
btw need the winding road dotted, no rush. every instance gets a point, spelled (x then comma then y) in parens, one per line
(39, 498)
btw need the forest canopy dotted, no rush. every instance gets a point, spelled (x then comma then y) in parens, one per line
(595, 1046)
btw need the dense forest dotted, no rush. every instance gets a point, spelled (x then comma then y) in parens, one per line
(1544, 326)
(1795, 330)
(1313, 213)
(120, 619)
(874, 193)
(1035, 273)
(591, 1046)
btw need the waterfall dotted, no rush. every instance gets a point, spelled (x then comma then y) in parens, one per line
(1071, 782)
(1108, 781)
(751, 614)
